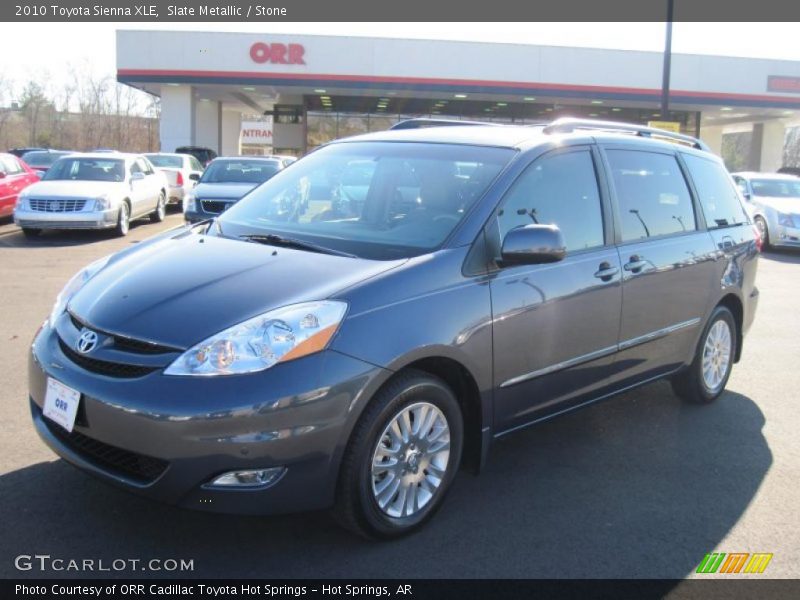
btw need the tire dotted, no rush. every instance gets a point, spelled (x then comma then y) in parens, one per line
(762, 228)
(124, 220)
(692, 384)
(161, 209)
(360, 506)
(31, 233)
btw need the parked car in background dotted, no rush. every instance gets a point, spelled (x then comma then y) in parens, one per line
(775, 205)
(15, 176)
(224, 182)
(18, 152)
(790, 171)
(41, 160)
(183, 171)
(359, 350)
(201, 153)
(285, 159)
(93, 191)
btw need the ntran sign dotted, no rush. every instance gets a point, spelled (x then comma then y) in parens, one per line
(278, 54)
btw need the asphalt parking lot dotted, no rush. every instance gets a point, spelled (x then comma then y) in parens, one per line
(639, 486)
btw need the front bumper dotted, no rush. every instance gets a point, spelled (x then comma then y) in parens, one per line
(785, 237)
(181, 432)
(90, 219)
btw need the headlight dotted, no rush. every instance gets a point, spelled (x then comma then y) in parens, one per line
(72, 287)
(189, 203)
(785, 219)
(258, 343)
(102, 203)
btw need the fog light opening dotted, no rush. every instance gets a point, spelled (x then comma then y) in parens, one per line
(251, 478)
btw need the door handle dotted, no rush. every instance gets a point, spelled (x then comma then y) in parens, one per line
(606, 272)
(635, 264)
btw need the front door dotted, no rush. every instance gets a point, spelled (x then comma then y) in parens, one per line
(555, 326)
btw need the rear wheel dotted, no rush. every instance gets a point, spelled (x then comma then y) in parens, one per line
(762, 229)
(705, 379)
(402, 457)
(124, 220)
(161, 209)
(31, 233)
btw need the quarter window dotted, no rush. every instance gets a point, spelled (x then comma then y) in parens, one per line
(718, 197)
(559, 189)
(652, 195)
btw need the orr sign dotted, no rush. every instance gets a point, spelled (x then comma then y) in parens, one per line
(278, 54)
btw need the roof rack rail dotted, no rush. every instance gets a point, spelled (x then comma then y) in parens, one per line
(423, 122)
(568, 125)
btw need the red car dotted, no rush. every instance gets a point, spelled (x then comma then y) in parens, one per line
(15, 176)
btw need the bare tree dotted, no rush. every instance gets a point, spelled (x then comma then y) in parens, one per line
(36, 108)
(791, 148)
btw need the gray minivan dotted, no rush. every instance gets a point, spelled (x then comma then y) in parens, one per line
(365, 323)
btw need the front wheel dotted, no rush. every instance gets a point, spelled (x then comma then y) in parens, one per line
(705, 379)
(123, 220)
(761, 224)
(402, 457)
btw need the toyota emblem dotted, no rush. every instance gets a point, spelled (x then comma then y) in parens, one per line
(87, 341)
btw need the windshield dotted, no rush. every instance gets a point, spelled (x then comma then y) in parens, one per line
(777, 188)
(42, 159)
(87, 169)
(239, 171)
(379, 200)
(165, 160)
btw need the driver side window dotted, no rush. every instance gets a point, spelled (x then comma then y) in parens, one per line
(559, 189)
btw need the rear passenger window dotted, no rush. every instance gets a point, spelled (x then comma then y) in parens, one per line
(718, 196)
(652, 194)
(559, 189)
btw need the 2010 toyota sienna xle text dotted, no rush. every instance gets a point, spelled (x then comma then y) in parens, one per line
(366, 322)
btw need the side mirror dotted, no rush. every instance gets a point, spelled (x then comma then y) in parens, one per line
(194, 176)
(532, 245)
(39, 173)
(137, 176)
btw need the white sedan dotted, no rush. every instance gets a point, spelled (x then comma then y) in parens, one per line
(774, 203)
(182, 171)
(93, 191)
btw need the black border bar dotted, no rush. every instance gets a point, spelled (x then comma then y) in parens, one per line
(751, 587)
(266, 11)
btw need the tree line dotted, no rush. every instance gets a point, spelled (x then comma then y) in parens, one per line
(86, 111)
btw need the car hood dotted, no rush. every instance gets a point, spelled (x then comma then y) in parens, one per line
(784, 205)
(181, 289)
(222, 191)
(68, 188)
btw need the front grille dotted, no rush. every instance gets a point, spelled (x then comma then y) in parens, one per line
(127, 344)
(215, 206)
(134, 466)
(58, 206)
(103, 367)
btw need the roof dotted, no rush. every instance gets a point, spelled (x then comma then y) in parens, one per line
(104, 155)
(259, 158)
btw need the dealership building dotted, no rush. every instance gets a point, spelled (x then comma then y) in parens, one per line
(318, 88)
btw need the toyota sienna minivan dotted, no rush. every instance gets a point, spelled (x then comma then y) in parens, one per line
(364, 324)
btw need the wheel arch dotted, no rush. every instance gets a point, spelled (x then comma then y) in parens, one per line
(734, 304)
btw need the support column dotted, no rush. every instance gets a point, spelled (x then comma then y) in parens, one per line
(773, 135)
(712, 136)
(230, 129)
(289, 136)
(207, 124)
(177, 123)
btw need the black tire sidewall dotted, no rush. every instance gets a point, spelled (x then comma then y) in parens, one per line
(421, 389)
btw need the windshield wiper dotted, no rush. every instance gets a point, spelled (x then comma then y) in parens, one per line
(278, 240)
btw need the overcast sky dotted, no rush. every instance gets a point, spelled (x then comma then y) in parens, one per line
(45, 50)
